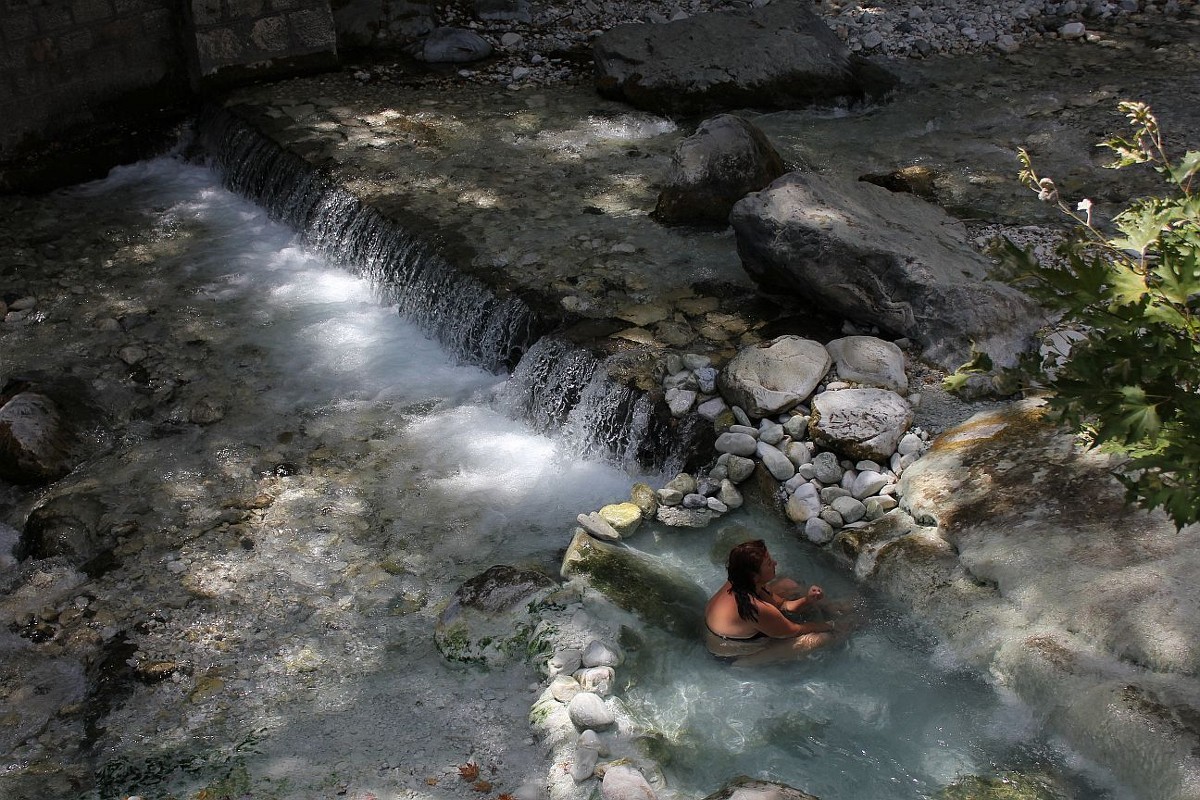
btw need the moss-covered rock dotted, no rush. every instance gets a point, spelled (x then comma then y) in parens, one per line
(637, 583)
(493, 617)
(1006, 786)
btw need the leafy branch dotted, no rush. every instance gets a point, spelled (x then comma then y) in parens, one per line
(1133, 381)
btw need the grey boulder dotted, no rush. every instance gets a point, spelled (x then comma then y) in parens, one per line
(778, 56)
(860, 423)
(883, 259)
(723, 161)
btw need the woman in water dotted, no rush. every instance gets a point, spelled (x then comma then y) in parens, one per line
(746, 619)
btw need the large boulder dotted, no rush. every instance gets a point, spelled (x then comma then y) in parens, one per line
(885, 259)
(774, 376)
(778, 56)
(637, 583)
(723, 161)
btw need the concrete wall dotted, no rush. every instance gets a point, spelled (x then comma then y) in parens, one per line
(62, 62)
(87, 84)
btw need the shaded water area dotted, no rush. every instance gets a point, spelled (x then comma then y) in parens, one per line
(295, 480)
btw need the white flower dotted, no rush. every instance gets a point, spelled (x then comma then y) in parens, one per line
(1085, 205)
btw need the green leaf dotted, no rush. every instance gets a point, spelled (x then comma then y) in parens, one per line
(1127, 285)
(1141, 417)
(1178, 278)
(1142, 225)
(1134, 382)
(1188, 166)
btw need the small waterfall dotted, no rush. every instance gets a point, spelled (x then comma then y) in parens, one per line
(555, 385)
(474, 324)
(559, 386)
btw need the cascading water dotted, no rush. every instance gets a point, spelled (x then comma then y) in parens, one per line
(468, 319)
(556, 386)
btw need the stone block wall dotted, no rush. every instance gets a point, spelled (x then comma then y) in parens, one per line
(64, 63)
(237, 40)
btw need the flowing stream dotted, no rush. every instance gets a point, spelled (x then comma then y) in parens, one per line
(301, 631)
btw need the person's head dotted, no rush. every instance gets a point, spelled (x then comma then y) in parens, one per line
(749, 566)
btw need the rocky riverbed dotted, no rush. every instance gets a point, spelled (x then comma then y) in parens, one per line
(542, 189)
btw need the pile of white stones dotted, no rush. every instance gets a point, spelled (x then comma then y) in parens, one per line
(588, 730)
(836, 453)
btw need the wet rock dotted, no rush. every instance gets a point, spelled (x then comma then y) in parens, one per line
(775, 376)
(680, 517)
(867, 483)
(599, 527)
(849, 509)
(777, 56)
(206, 411)
(683, 483)
(802, 506)
(738, 444)
(564, 688)
(740, 468)
(65, 525)
(600, 679)
(860, 423)
(645, 498)
(780, 467)
(726, 159)
(35, 439)
(488, 621)
(826, 468)
(564, 662)
(453, 46)
(623, 517)
(818, 531)
(911, 180)
(891, 260)
(729, 495)
(746, 788)
(625, 783)
(587, 753)
(637, 584)
(599, 654)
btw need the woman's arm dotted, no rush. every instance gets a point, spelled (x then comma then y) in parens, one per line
(814, 594)
(773, 623)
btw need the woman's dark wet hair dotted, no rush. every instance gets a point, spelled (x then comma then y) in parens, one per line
(745, 561)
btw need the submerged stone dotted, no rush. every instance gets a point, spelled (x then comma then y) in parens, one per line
(492, 617)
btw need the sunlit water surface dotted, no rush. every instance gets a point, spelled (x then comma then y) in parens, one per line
(885, 715)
